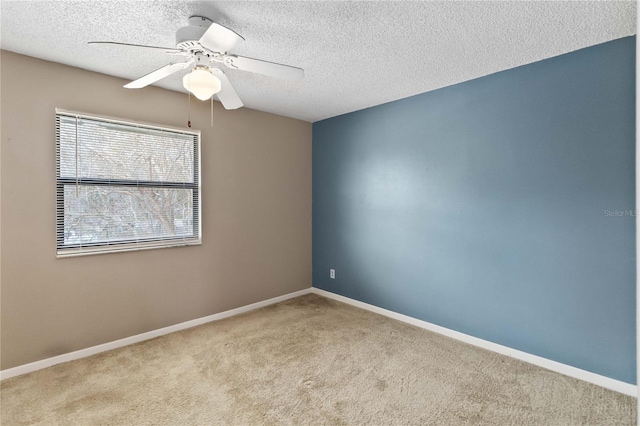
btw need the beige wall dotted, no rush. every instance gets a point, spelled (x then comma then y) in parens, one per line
(256, 217)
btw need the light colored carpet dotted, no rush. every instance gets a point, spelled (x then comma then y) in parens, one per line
(309, 360)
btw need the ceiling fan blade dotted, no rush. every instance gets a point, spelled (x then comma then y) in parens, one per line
(263, 67)
(166, 49)
(227, 95)
(158, 74)
(220, 39)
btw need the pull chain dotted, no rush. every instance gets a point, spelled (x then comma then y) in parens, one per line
(211, 111)
(189, 116)
(77, 154)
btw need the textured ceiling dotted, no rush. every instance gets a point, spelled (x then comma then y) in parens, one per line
(355, 54)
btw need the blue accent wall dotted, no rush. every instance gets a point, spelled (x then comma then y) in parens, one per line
(500, 207)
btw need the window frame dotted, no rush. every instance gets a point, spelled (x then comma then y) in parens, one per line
(126, 245)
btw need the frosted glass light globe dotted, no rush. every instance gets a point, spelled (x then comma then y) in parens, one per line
(201, 83)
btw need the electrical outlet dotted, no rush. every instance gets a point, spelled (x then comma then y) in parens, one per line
(332, 274)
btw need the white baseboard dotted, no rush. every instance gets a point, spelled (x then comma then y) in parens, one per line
(587, 376)
(567, 370)
(82, 353)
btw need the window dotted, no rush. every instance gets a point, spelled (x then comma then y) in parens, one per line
(124, 186)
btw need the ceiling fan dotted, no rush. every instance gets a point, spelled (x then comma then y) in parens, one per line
(205, 46)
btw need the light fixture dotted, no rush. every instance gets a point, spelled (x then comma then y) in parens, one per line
(201, 83)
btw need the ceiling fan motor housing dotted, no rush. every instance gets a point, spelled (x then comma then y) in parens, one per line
(187, 37)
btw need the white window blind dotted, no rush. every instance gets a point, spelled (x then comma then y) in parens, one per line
(124, 186)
